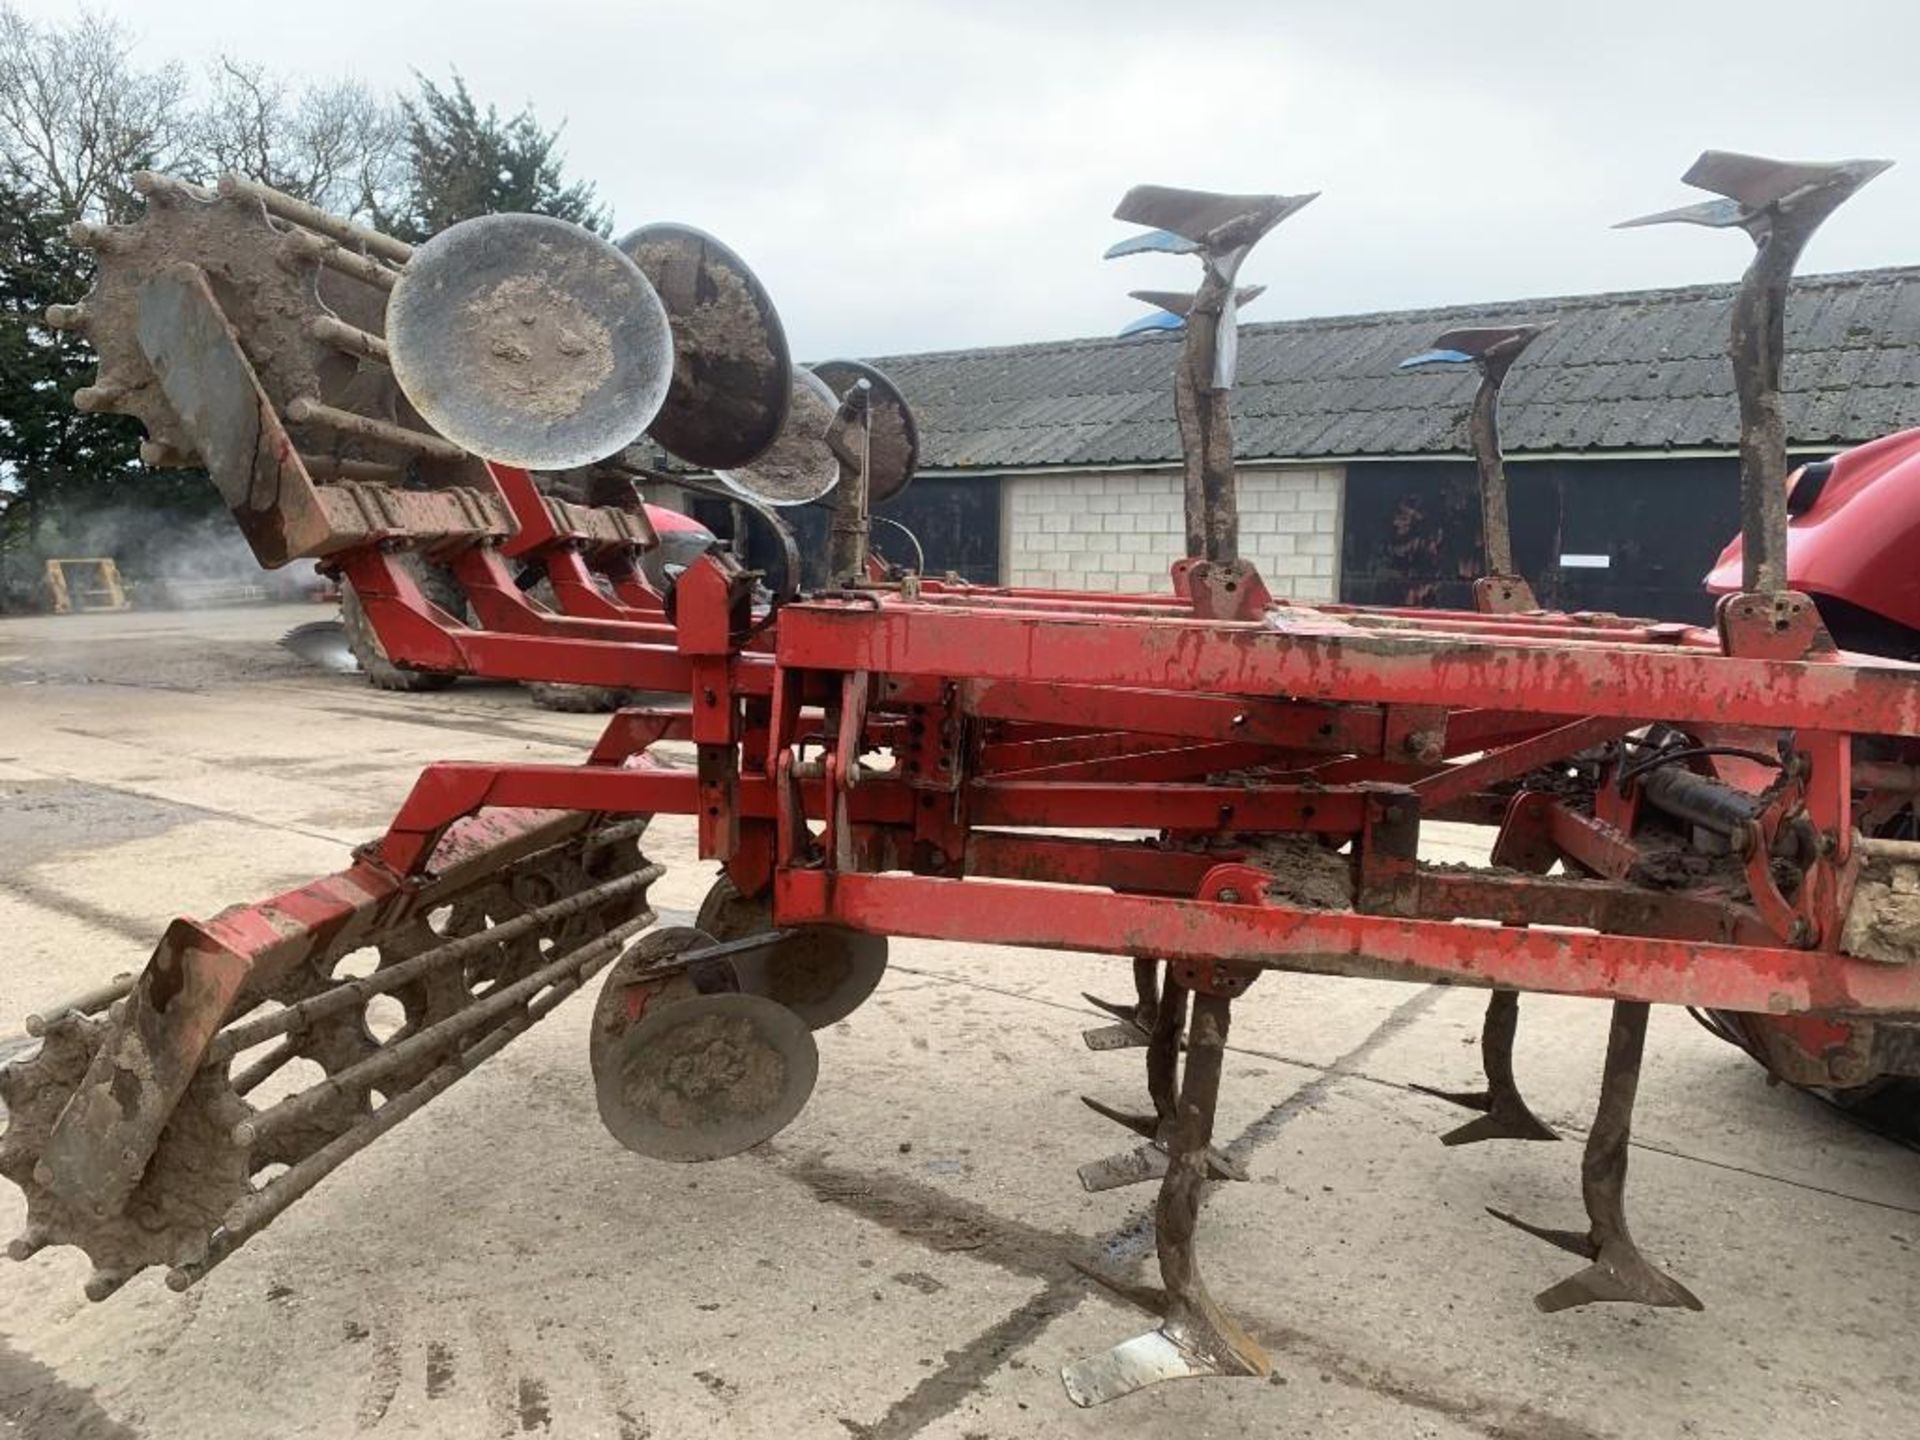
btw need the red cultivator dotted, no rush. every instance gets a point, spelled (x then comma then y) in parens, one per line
(1682, 815)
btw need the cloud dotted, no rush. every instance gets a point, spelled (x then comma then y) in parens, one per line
(918, 175)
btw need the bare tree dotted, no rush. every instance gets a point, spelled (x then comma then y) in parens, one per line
(334, 143)
(77, 116)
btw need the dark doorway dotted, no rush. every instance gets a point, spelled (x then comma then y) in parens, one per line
(1635, 537)
(957, 522)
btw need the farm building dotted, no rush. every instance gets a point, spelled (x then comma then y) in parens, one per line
(1057, 464)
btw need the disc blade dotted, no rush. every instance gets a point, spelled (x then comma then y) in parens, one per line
(707, 1077)
(629, 994)
(732, 375)
(529, 341)
(799, 466)
(820, 972)
(895, 449)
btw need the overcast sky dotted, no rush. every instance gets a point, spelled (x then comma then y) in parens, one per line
(916, 175)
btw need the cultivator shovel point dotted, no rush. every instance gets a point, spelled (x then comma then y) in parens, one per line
(1273, 763)
(1173, 306)
(1760, 192)
(1145, 1162)
(1492, 351)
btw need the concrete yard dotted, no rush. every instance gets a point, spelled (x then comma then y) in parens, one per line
(900, 1261)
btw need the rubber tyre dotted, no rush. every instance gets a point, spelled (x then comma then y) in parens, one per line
(570, 699)
(439, 586)
(1890, 1104)
(574, 699)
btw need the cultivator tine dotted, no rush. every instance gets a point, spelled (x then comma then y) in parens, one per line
(1144, 1162)
(1505, 1115)
(1150, 1298)
(1491, 349)
(1163, 1053)
(1112, 1007)
(1221, 229)
(1196, 1337)
(1147, 1125)
(1779, 203)
(1149, 1162)
(1135, 1020)
(1619, 1271)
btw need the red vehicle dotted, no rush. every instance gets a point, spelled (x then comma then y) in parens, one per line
(1852, 526)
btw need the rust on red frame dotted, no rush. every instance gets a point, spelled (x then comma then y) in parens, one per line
(1554, 677)
(1704, 973)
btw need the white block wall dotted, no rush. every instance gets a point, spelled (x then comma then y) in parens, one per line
(1121, 531)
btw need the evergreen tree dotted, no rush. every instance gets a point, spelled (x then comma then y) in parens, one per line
(78, 115)
(59, 466)
(464, 161)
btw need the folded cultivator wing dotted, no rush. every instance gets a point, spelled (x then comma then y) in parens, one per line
(1203, 781)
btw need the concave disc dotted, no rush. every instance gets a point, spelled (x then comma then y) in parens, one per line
(529, 341)
(629, 992)
(707, 1077)
(822, 973)
(732, 376)
(799, 466)
(895, 448)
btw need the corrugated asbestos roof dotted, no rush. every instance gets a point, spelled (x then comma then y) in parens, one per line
(1638, 370)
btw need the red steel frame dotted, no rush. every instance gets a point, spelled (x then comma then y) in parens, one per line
(1016, 721)
(1011, 714)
